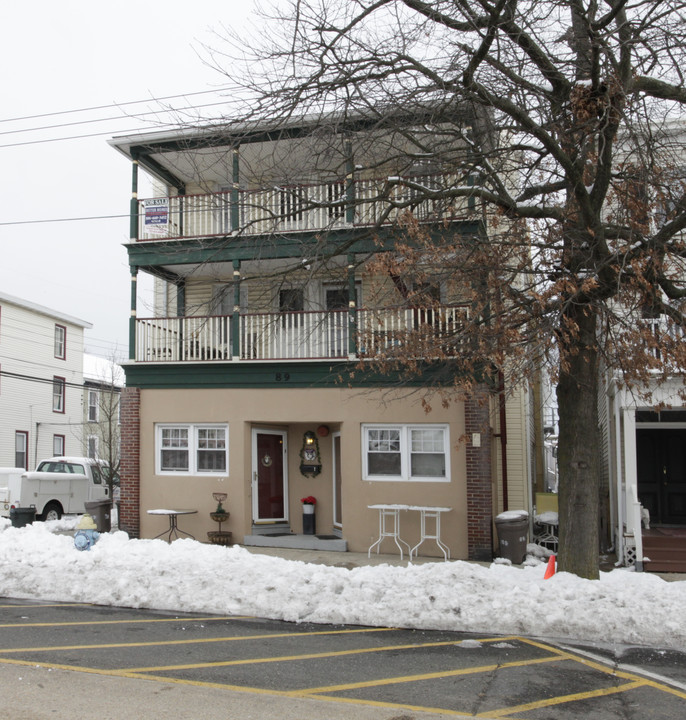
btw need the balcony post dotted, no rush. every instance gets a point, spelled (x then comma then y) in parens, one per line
(349, 183)
(180, 313)
(352, 308)
(132, 319)
(133, 212)
(236, 317)
(235, 199)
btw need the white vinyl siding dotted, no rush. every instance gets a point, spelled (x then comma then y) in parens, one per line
(28, 349)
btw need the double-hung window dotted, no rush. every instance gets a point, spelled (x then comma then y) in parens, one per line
(58, 445)
(21, 449)
(415, 453)
(93, 406)
(192, 449)
(60, 342)
(59, 386)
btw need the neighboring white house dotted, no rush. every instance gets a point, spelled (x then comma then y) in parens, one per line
(645, 463)
(103, 381)
(41, 382)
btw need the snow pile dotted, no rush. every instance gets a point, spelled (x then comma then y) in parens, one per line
(188, 576)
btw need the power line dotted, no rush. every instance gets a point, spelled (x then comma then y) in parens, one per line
(58, 220)
(81, 137)
(110, 105)
(108, 119)
(33, 378)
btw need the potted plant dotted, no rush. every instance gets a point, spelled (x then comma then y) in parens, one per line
(308, 514)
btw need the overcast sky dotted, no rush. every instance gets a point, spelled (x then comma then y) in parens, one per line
(59, 57)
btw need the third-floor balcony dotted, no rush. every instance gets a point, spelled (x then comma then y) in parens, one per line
(305, 207)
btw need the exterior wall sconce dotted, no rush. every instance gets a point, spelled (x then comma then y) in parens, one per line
(310, 459)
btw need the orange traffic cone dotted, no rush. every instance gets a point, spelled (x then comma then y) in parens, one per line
(550, 570)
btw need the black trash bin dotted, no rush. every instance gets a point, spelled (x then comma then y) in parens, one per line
(101, 512)
(22, 516)
(513, 531)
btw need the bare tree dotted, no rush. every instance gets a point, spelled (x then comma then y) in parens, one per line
(564, 117)
(102, 422)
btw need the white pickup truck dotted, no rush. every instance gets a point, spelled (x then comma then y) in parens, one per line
(59, 485)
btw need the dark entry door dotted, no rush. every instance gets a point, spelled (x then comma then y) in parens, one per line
(661, 465)
(269, 476)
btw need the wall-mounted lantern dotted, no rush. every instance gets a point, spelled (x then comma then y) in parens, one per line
(310, 459)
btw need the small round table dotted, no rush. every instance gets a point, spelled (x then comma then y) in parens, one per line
(173, 525)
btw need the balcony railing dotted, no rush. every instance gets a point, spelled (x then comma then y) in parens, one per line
(290, 208)
(429, 332)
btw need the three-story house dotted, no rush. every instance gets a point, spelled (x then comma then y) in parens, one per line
(258, 373)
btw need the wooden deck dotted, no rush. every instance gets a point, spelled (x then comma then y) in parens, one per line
(666, 548)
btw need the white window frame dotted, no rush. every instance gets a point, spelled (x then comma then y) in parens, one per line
(193, 448)
(58, 444)
(93, 406)
(21, 437)
(60, 342)
(405, 431)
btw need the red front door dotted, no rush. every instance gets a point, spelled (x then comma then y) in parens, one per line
(269, 476)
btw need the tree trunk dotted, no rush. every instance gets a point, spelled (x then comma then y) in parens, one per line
(578, 448)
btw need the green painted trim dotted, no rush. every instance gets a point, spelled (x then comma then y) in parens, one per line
(150, 253)
(132, 318)
(133, 206)
(272, 375)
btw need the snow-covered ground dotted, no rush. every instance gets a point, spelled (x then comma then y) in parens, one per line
(41, 561)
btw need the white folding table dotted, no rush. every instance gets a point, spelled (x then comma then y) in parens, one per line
(435, 514)
(389, 526)
(392, 513)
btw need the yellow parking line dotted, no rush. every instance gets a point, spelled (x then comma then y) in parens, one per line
(561, 699)
(189, 641)
(424, 676)
(291, 658)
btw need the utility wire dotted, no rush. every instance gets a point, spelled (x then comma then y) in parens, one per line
(81, 137)
(108, 119)
(57, 220)
(103, 107)
(45, 381)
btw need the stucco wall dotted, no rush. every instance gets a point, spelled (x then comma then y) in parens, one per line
(296, 411)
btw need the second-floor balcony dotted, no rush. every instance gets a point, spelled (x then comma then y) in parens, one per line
(333, 335)
(293, 208)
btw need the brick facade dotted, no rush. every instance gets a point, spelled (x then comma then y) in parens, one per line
(479, 478)
(129, 509)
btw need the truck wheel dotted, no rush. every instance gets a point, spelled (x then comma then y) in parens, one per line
(52, 511)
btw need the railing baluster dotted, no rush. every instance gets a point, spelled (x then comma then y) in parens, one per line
(300, 207)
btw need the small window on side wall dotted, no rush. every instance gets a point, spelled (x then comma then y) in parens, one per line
(58, 394)
(60, 342)
(58, 445)
(93, 406)
(21, 449)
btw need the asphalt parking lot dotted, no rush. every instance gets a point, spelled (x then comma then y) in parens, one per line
(335, 671)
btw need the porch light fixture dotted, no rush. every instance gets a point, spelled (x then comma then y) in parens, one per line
(310, 460)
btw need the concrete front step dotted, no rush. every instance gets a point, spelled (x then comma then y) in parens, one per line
(298, 542)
